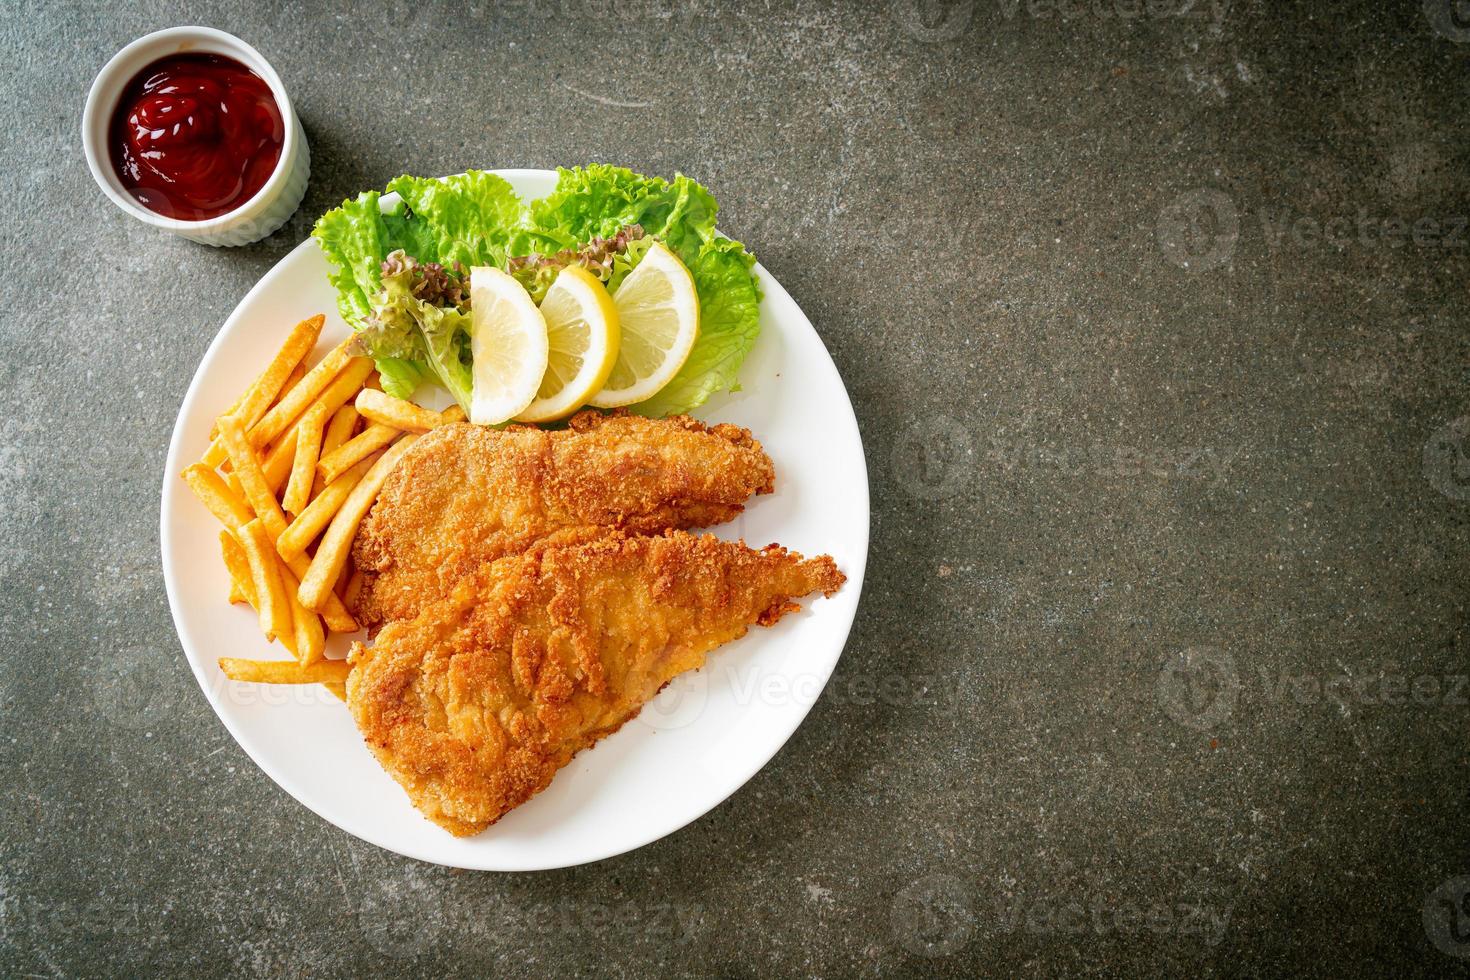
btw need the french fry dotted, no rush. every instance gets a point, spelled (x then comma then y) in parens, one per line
(387, 410)
(331, 553)
(317, 380)
(339, 688)
(297, 373)
(212, 490)
(270, 592)
(377, 435)
(241, 581)
(348, 568)
(319, 513)
(338, 392)
(311, 639)
(262, 393)
(334, 614)
(278, 460)
(339, 430)
(333, 464)
(353, 588)
(268, 510)
(303, 466)
(258, 493)
(285, 671)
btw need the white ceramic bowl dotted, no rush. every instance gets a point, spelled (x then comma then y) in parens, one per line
(251, 221)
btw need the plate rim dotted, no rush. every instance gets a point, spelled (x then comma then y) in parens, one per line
(171, 487)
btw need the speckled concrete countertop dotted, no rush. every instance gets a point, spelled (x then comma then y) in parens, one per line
(1154, 315)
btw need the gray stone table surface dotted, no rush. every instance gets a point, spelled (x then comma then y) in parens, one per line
(1154, 316)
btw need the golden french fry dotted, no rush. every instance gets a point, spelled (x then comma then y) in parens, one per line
(317, 380)
(268, 510)
(242, 584)
(297, 373)
(319, 513)
(338, 688)
(258, 493)
(285, 671)
(452, 414)
(340, 391)
(270, 591)
(348, 567)
(339, 430)
(353, 587)
(242, 581)
(212, 490)
(334, 614)
(260, 395)
(387, 410)
(311, 639)
(214, 426)
(278, 460)
(333, 464)
(303, 467)
(331, 553)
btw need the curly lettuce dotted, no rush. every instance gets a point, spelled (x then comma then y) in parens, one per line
(477, 219)
(467, 219)
(729, 321)
(599, 201)
(420, 328)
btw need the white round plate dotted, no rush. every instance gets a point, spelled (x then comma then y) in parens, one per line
(694, 745)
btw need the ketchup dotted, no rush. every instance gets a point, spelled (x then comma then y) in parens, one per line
(195, 136)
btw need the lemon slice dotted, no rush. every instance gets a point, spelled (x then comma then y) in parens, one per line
(659, 313)
(509, 346)
(582, 338)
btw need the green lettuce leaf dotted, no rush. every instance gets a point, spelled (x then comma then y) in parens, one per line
(599, 200)
(411, 339)
(401, 378)
(356, 237)
(353, 238)
(729, 322)
(476, 219)
(467, 219)
(472, 217)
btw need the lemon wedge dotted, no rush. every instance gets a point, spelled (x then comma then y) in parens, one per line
(509, 346)
(659, 313)
(582, 337)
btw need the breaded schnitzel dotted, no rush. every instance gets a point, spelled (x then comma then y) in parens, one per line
(476, 703)
(466, 494)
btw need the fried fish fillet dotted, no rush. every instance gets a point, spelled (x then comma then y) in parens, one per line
(476, 703)
(465, 495)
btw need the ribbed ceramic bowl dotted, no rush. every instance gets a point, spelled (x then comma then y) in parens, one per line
(262, 214)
